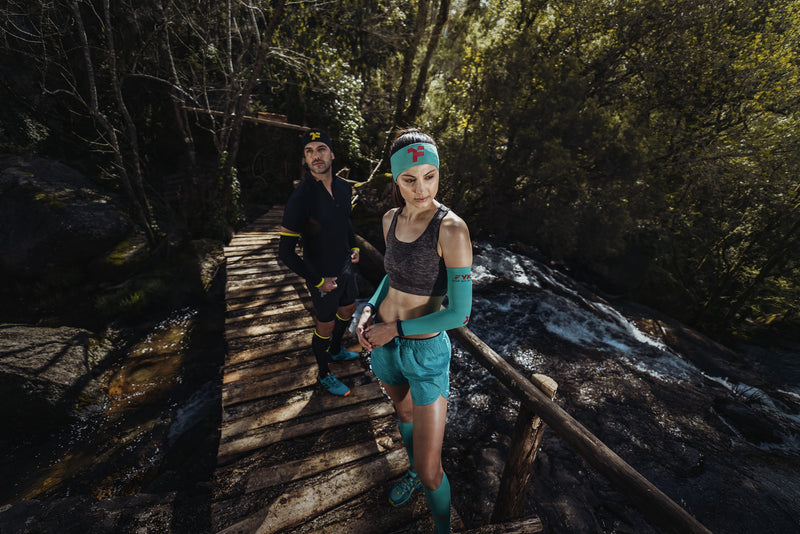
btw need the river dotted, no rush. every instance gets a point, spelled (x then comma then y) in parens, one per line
(717, 430)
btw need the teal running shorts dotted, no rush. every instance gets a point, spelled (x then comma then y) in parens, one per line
(423, 364)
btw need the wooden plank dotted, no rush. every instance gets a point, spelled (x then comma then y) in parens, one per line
(268, 436)
(278, 296)
(246, 246)
(293, 321)
(288, 307)
(283, 383)
(318, 463)
(268, 345)
(308, 500)
(522, 526)
(306, 405)
(239, 298)
(264, 279)
(251, 370)
(256, 268)
(286, 304)
(370, 513)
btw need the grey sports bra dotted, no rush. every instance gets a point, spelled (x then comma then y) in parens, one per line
(416, 267)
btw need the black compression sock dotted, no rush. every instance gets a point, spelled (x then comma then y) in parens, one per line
(339, 328)
(319, 345)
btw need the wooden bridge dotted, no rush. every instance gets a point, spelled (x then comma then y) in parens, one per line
(293, 458)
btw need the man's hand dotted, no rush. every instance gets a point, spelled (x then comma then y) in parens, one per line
(328, 285)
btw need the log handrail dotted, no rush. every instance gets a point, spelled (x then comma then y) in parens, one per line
(654, 504)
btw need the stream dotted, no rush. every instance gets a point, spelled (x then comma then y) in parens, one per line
(717, 430)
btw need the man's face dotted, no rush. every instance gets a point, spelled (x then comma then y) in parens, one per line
(318, 157)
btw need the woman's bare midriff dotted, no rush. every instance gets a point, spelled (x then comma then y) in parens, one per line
(400, 306)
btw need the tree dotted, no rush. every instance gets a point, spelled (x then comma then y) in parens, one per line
(89, 81)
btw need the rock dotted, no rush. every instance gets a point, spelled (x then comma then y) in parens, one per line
(138, 513)
(45, 373)
(210, 256)
(753, 424)
(52, 217)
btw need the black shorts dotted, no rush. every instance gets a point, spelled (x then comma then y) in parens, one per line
(346, 291)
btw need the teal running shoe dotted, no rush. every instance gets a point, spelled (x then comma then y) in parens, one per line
(334, 385)
(403, 490)
(344, 356)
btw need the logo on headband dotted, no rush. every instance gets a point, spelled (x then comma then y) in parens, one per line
(314, 135)
(416, 153)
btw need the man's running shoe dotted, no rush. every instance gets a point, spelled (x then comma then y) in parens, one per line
(403, 490)
(334, 385)
(344, 356)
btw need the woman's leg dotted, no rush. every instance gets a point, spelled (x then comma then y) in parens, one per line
(403, 490)
(429, 421)
(401, 397)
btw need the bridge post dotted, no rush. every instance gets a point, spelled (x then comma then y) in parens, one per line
(519, 466)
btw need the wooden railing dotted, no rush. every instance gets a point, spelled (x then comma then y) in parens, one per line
(652, 502)
(536, 400)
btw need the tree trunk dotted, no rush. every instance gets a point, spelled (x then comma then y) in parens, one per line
(93, 105)
(420, 90)
(408, 69)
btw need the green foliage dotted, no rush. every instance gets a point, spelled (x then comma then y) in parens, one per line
(652, 145)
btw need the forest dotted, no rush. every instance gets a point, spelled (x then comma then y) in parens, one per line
(649, 147)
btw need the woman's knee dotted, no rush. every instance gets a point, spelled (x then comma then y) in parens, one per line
(431, 477)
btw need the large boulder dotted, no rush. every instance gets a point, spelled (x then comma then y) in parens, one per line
(52, 217)
(47, 375)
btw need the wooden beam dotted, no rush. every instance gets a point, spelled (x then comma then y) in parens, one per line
(318, 463)
(522, 526)
(516, 477)
(270, 122)
(268, 436)
(305, 406)
(317, 495)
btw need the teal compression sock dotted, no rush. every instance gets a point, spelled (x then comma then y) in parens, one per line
(439, 503)
(407, 433)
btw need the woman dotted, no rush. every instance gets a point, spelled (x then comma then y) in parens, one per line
(428, 256)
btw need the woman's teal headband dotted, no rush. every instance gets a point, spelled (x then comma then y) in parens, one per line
(412, 155)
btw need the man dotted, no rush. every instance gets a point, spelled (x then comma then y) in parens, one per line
(318, 210)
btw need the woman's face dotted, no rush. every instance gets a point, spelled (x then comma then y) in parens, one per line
(419, 184)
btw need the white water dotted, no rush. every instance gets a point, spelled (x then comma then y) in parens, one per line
(517, 297)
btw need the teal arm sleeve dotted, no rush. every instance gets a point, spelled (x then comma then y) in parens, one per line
(380, 293)
(459, 295)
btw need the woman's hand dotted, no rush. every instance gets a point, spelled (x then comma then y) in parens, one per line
(381, 333)
(364, 322)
